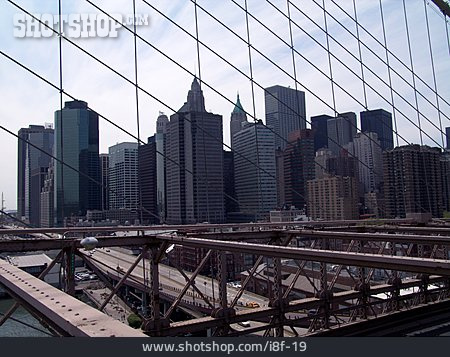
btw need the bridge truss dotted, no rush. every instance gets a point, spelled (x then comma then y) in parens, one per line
(416, 273)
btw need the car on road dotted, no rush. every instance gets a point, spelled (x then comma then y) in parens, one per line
(252, 304)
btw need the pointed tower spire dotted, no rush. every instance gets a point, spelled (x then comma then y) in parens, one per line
(238, 117)
(238, 106)
(195, 100)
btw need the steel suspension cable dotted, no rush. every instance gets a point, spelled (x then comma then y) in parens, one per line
(433, 71)
(390, 52)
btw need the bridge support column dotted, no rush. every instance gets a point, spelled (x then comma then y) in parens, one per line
(324, 292)
(69, 270)
(154, 324)
(223, 311)
(362, 286)
(424, 295)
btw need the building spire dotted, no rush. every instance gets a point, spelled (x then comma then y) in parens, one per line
(238, 106)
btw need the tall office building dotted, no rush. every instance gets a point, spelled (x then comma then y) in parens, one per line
(47, 199)
(255, 170)
(367, 150)
(32, 167)
(412, 181)
(76, 144)
(333, 198)
(298, 167)
(279, 164)
(320, 162)
(445, 169)
(379, 121)
(123, 176)
(231, 202)
(238, 116)
(160, 140)
(104, 179)
(320, 128)
(285, 112)
(341, 131)
(447, 134)
(147, 177)
(194, 164)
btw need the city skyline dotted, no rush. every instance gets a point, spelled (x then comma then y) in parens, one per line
(114, 98)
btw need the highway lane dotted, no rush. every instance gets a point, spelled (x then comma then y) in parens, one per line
(171, 280)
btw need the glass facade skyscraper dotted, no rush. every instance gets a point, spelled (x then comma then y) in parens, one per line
(320, 129)
(77, 145)
(379, 121)
(32, 166)
(285, 112)
(341, 131)
(255, 170)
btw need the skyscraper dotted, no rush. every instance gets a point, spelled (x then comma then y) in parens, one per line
(320, 161)
(447, 134)
(255, 170)
(285, 112)
(32, 167)
(194, 164)
(341, 131)
(160, 139)
(379, 121)
(147, 177)
(367, 150)
(47, 199)
(104, 177)
(320, 128)
(231, 203)
(238, 116)
(298, 167)
(76, 144)
(123, 176)
(279, 164)
(412, 181)
(445, 169)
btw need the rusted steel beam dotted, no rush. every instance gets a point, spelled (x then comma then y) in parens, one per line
(302, 304)
(202, 227)
(42, 275)
(380, 237)
(418, 265)
(70, 315)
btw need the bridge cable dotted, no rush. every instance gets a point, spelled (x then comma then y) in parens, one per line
(434, 72)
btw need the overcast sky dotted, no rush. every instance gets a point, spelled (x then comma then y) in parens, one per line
(28, 100)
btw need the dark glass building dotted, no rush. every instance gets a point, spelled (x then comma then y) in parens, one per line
(447, 134)
(379, 121)
(285, 112)
(148, 181)
(32, 167)
(104, 171)
(76, 144)
(231, 203)
(319, 127)
(341, 131)
(298, 167)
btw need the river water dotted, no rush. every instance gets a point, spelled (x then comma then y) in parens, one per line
(15, 329)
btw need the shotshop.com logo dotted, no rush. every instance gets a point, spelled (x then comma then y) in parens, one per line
(75, 25)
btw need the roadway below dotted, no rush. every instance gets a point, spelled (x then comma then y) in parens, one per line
(114, 262)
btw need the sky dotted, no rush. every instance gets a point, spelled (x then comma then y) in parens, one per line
(27, 99)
